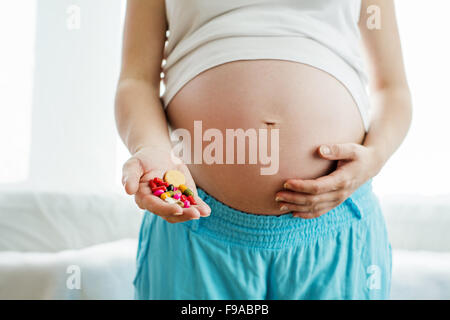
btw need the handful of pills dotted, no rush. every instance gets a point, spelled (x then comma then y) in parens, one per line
(172, 189)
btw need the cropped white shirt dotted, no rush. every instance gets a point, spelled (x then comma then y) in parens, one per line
(320, 33)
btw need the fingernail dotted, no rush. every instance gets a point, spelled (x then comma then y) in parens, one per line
(283, 208)
(287, 185)
(279, 199)
(325, 150)
(178, 213)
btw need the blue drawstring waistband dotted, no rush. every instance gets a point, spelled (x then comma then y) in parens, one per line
(269, 231)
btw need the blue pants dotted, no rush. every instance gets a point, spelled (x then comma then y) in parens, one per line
(343, 254)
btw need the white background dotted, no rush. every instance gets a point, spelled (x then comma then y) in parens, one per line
(420, 166)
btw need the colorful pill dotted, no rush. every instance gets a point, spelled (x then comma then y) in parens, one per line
(174, 177)
(152, 184)
(171, 193)
(165, 195)
(159, 188)
(191, 200)
(170, 187)
(183, 197)
(176, 196)
(188, 192)
(186, 204)
(170, 200)
(158, 192)
(182, 187)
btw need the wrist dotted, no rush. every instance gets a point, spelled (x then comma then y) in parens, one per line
(157, 148)
(378, 159)
(159, 154)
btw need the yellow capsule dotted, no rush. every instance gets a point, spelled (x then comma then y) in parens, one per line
(182, 187)
(165, 195)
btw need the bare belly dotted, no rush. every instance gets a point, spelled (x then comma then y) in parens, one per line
(308, 107)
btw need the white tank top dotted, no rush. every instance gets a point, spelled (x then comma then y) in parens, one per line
(321, 33)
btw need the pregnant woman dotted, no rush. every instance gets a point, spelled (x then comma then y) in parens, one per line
(291, 72)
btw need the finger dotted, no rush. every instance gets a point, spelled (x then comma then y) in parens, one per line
(161, 208)
(334, 181)
(144, 186)
(157, 206)
(131, 175)
(177, 219)
(185, 217)
(202, 207)
(307, 199)
(290, 207)
(315, 212)
(341, 151)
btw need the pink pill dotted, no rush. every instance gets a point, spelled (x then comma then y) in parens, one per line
(187, 204)
(158, 192)
(175, 188)
(176, 196)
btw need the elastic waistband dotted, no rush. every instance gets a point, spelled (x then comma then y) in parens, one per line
(268, 231)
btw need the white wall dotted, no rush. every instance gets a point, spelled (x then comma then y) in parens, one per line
(421, 165)
(76, 71)
(17, 21)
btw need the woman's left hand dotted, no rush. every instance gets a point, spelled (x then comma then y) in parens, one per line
(313, 198)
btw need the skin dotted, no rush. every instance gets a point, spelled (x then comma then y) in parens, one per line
(258, 97)
(142, 123)
(391, 120)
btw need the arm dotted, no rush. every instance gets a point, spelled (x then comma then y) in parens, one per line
(391, 98)
(391, 118)
(140, 116)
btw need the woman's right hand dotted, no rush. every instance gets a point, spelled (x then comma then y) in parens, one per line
(148, 163)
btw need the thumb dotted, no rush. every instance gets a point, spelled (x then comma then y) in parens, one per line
(131, 175)
(341, 151)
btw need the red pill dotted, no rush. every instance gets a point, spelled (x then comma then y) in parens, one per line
(152, 184)
(191, 200)
(183, 198)
(159, 188)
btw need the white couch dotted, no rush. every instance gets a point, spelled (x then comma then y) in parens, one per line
(47, 238)
(77, 246)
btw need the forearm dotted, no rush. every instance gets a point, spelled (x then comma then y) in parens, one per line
(140, 117)
(391, 120)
